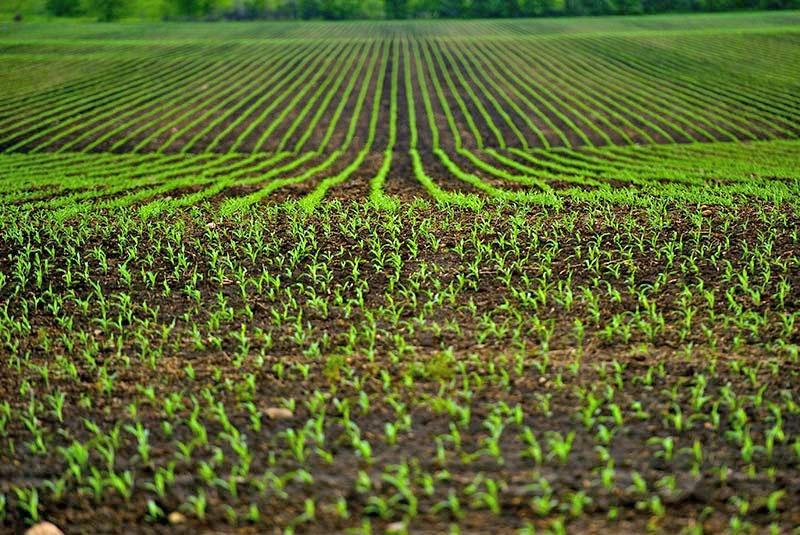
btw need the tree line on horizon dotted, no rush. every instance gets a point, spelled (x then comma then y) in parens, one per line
(401, 9)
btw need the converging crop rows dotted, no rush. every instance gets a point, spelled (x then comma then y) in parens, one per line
(512, 276)
(458, 111)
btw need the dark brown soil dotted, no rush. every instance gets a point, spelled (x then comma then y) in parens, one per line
(649, 378)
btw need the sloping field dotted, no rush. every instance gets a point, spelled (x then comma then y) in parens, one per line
(160, 116)
(474, 276)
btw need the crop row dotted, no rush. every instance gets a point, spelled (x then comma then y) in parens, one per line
(394, 108)
(718, 173)
(504, 91)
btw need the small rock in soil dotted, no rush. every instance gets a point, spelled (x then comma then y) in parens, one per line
(396, 527)
(44, 528)
(278, 413)
(176, 518)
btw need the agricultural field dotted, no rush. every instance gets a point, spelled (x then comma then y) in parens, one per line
(511, 276)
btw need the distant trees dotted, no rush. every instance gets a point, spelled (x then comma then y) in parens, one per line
(538, 8)
(338, 9)
(402, 9)
(63, 8)
(192, 8)
(396, 9)
(108, 10)
(276, 9)
(104, 10)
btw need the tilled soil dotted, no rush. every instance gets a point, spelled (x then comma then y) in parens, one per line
(589, 370)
